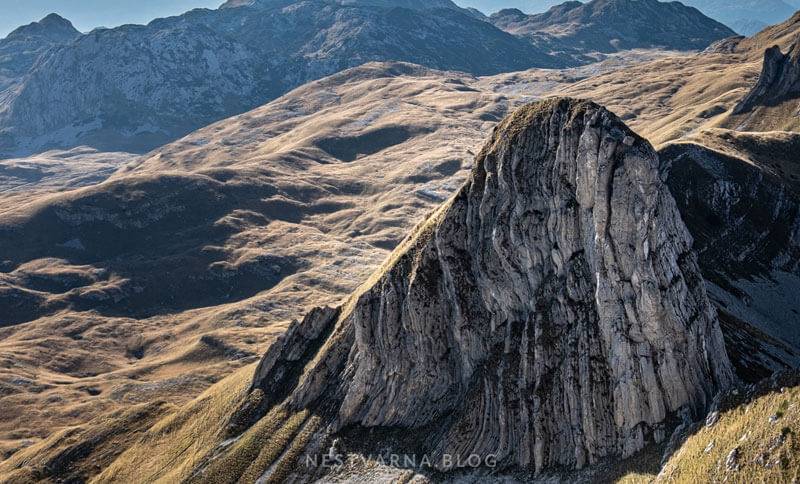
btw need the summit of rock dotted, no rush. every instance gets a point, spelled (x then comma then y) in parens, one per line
(53, 27)
(779, 80)
(550, 314)
(20, 50)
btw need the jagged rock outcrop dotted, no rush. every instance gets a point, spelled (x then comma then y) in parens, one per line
(550, 314)
(779, 80)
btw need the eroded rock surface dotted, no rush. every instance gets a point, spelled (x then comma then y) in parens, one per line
(551, 313)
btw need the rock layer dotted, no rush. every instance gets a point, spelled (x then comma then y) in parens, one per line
(550, 314)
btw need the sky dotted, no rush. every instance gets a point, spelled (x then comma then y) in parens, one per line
(88, 14)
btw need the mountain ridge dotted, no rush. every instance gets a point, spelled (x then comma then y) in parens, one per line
(131, 94)
(612, 25)
(133, 88)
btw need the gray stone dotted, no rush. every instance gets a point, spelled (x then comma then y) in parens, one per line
(550, 314)
(779, 79)
(732, 461)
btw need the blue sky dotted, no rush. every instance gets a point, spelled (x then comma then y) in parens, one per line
(88, 14)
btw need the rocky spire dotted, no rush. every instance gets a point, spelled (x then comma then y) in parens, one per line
(779, 80)
(550, 314)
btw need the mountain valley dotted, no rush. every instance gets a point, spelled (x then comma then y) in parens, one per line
(140, 288)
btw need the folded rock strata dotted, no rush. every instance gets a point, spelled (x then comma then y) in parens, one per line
(552, 313)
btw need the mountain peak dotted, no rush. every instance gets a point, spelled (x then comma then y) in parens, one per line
(412, 4)
(54, 19)
(52, 27)
(779, 80)
(613, 25)
(555, 299)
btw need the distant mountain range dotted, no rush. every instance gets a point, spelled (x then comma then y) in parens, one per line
(612, 25)
(746, 16)
(136, 87)
(492, 6)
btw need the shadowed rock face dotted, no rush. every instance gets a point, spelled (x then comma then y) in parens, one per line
(779, 80)
(551, 314)
(744, 215)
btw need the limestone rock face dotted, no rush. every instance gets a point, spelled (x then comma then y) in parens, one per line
(551, 313)
(779, 80)
(20, 49)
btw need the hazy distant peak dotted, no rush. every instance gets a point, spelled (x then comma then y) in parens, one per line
(53, 26)
(613, 25)
(507, 12)
(413, 4)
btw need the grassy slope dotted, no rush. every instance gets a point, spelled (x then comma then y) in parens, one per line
(765, 434)
(73, 453)
(170, 450)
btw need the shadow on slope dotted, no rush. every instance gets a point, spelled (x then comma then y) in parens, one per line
(146, 245)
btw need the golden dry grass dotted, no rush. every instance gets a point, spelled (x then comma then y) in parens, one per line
(764, 434)
(172, 448)
(83, 450)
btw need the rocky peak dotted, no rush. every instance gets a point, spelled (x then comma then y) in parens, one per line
(552, 313)
(22, 47)
(510, 12)
(779, 80)
(412, 4)
(53, 27)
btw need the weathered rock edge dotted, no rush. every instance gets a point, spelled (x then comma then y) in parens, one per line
(779, 80)
(551, 313)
